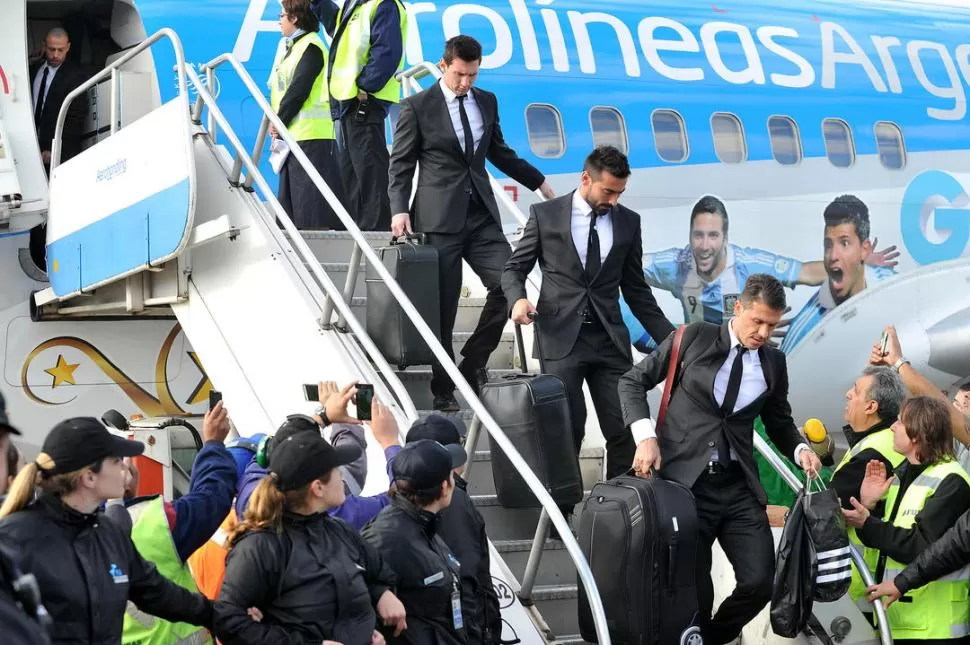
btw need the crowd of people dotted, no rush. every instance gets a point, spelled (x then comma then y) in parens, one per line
(304, 561)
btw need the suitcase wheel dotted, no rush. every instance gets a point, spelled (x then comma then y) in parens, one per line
(692, 636)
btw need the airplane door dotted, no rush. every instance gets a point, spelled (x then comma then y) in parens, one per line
(23, 184)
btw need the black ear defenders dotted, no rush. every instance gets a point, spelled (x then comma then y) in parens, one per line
(294, 423)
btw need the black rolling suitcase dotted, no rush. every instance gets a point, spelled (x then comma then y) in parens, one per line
(533, 410)
(415, 267)
(640, 538)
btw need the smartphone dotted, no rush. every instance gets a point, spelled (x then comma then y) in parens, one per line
(365, 396)
(214, 397)
(884, 343)
(311, 391)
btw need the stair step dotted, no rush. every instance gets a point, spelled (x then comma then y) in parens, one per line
(336, 246)
(338, 273)
(501, 358)
(558, 606)
(555, 567)
(469, 310)
(417, 380)
(569, 639)
(482, 482)
(503, 524)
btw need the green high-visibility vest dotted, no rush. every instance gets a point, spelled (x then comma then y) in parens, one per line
(881, 442)
(939, 610)
(313, 121)
(153, 539)
(353, 51)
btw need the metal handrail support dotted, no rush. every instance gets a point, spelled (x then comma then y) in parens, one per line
(300, 246)
(407, 307)
(860, 564)
(350, 285)
(111, 72)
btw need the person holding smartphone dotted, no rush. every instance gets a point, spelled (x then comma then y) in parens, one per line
(356, 510)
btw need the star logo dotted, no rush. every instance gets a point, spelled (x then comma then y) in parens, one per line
(63, 372)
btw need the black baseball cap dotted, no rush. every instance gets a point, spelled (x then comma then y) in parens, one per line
(444, 430)
(300, 457)
(4, 419)
(425, 463)
(75, 443)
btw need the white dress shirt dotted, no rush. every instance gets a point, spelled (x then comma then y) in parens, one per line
(753, 385)
(579, 224)
(52, 71)
(474, 116)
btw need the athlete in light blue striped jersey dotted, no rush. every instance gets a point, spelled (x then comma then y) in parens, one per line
(847, 252)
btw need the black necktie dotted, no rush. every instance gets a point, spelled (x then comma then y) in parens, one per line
(467, 128)
(592, 249)
(39, 105)
(730, 399)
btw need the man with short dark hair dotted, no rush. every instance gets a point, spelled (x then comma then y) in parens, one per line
(589, 248)
(847, 247)
(451, 129)
(729, 375)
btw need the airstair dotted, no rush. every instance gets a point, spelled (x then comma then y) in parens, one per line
(160, 219)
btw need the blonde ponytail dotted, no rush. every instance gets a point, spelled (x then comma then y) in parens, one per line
(21, 490)
(264, 509)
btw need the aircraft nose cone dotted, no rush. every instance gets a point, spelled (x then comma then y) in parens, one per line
(949, 350)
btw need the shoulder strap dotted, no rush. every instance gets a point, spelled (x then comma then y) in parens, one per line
(672, 365)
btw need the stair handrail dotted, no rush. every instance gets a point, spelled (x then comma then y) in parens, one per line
(111, 71)
(858, 562)
(307, 259)
(495, 431)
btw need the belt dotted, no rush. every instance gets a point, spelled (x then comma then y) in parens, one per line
(717, 468)
(589, 317)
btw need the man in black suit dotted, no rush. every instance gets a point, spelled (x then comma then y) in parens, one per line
(451, 129)
(50, 82)
(588, 247)
(728, 376)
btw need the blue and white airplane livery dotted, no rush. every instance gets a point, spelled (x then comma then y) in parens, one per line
(822, 141)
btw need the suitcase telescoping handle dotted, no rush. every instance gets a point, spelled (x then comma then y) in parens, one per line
(538, 336)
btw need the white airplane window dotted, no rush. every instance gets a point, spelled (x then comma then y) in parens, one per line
(609, 128)
(838, 142)
(728, 136)
(890, 144)
(669, 136)
(544, 126)
(786, 147)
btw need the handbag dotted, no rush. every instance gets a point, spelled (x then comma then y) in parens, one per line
(793, 588)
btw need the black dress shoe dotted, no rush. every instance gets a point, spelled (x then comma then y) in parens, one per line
(445, 403)
(476, 376)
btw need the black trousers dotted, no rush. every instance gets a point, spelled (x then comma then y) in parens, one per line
(728, 511)
(597, 361)
(299, 196)
(364, 161)
(483, 245)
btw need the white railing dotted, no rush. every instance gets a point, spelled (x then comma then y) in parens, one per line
(363, 249)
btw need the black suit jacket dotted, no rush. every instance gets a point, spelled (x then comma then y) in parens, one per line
(694, 419)
(565, 288)
(424, 134)
(69, 76)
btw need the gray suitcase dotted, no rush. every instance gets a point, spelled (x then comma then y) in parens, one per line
(414, 265)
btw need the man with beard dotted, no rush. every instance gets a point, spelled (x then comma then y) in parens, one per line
(708, 274)
(589, 248)
(847, 249)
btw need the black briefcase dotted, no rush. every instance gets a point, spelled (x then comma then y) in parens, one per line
(533, 410)
(640, 539)
(414, 265)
